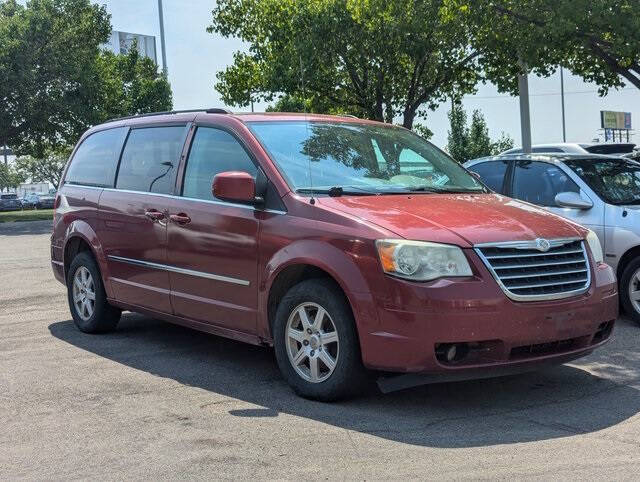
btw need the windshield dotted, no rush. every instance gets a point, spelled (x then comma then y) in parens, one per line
(617, 181)
(359, 159)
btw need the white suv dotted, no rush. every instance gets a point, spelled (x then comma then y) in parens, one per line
(599, 192)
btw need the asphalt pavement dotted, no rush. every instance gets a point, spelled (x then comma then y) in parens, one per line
(158, 401)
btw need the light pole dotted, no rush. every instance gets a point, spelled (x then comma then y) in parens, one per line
(162, 47)
(564, 126)
(525, 118)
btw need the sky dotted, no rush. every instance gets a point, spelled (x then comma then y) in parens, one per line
(195, 56)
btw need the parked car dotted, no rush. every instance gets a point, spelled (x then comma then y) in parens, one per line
(41, 201)
(320, 236)
(599, 192)
(10, 202)
(27, 203)
(605, 148)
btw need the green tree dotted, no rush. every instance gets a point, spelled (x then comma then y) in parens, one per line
(10, 178)
(47, 168)
(58, 80)
(372, 58)
(598, 40)
(130, 84)
(471, 142)
(48, 86)
(458, 135)
(503, 143)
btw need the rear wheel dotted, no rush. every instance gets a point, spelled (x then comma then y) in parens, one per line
(630, 290)
(316, 342)
(87, 299)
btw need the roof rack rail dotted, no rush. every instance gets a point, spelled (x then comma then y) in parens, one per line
(218, 110)
(213, 110)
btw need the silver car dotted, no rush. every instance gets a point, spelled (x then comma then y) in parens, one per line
(599, 192)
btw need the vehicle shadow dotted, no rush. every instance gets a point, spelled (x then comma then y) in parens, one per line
(557, 402)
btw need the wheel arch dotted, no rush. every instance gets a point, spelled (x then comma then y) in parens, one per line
(625, 259)
(294, 264)
(79, 237)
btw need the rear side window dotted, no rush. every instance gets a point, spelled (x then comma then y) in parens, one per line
(150, 159)
(492, 174)
(213, 151)
(95, 161)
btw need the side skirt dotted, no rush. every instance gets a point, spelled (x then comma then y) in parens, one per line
(195, 325)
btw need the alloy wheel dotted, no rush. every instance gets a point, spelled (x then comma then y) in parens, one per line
(84, 293)
(312, 342)
(634, 291)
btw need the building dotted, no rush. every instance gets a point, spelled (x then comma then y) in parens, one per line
(121, 42)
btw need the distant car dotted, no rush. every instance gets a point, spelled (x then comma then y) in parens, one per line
(608, 148)
(27, 204)
(41, 201)
(10, 202)
(600, 192)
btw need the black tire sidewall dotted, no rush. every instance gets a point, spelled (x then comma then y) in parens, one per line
(625, 280)
(104, 317)
(348, 375)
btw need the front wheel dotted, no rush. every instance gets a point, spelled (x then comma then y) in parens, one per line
(316, 342)
(630, 290)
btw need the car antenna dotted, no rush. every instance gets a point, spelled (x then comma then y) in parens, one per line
(306, 122)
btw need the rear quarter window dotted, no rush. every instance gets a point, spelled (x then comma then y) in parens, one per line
(96, 159)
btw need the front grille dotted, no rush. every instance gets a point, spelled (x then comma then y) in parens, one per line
(525, 273)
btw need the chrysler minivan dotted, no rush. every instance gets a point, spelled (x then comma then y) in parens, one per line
(352, 247)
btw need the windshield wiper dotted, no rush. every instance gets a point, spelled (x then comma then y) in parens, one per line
(337, 191)
(439, 190)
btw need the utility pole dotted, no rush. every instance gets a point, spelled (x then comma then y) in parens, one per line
(564, 125)
(162, 47)
(525, 118)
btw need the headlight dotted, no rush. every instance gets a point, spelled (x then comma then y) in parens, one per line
(421, 261)
(596, 248)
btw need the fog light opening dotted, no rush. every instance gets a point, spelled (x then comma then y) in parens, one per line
(449, 353)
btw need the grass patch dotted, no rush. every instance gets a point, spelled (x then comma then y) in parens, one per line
(28, 215)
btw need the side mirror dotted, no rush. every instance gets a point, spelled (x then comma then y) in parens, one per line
(572, 200)
(238, 186)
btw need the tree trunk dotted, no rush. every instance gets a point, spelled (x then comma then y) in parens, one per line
(408, 118)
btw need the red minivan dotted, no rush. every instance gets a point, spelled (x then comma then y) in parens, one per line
(352, 247)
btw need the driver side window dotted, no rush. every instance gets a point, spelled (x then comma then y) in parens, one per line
(540, 182)
(213, 151)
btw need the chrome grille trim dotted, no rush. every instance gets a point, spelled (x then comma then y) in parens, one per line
(532, 275)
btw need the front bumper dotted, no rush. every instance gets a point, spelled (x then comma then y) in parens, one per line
(413, 320)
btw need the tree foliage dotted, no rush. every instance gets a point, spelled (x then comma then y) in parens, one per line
(130, 84)
(59, 81)
(10, 178)
(47, 87)
(598, 40)
(45, 168)
(471, 142)
(371, 58)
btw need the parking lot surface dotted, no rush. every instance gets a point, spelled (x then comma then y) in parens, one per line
(158, 401)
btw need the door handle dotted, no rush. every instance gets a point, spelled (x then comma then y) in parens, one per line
(154, 215)
(180, 218)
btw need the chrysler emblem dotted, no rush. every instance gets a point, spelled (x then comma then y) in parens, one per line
(542, 245)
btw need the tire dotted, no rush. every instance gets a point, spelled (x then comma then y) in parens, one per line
(629, 281)
(98, 316)
(348, 377)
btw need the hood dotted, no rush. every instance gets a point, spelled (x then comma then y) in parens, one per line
(461, 219)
